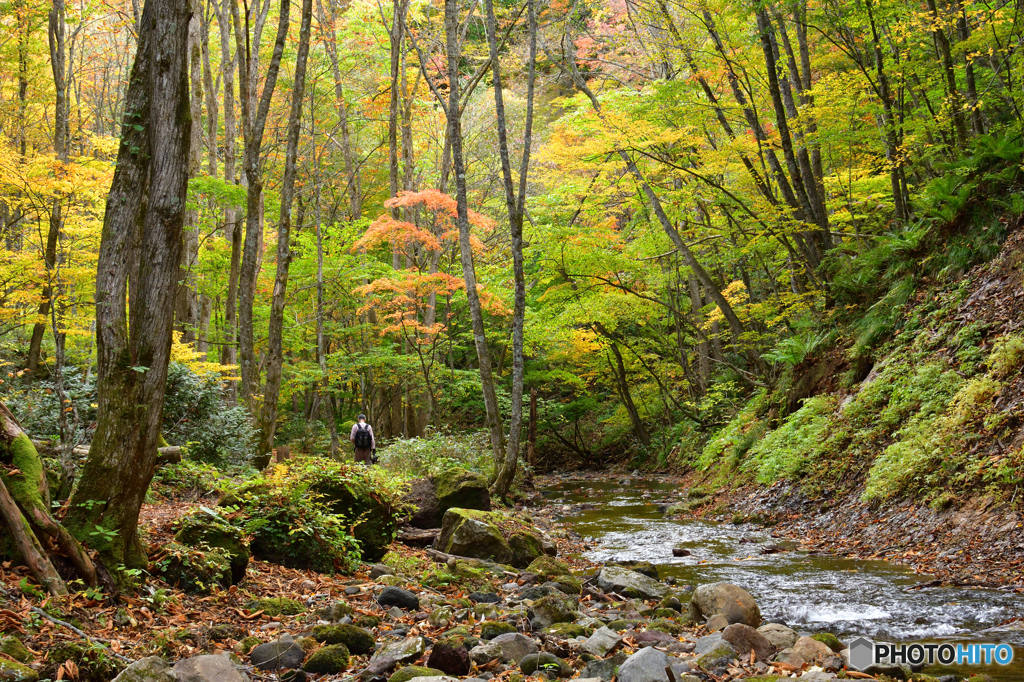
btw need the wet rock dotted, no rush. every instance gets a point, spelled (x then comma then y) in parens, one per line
(208, 668)
(629, 583)
(745, 639)
(680, 551)
(328, 660)
(779, 635)
(722, 655)
(811, 650)
(149, 669)
(648, 665)
(396, 596)
(548, 611)
(450, 657)
(281, 654)
(733, 603)
(602, 642)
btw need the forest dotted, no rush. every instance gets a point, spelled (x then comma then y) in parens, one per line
(770, 248)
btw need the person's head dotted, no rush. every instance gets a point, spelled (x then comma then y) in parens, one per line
(361, 418)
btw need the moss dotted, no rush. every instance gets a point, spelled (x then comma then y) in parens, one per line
(195, 571)
(12, 671)
(412, 671)
(13, 647)
(27, 486)
(203, 529)
(458, 487)
(525, 546)
(357, 640)
(566, 630)
(492, 628)
(667, 626)
(278, 606)
(95, 663)
(548, 567)
(248, 644)
(307, 643)
(621, 624)
(372, 518)
(829, 640)
(328, 660)
(367, 622)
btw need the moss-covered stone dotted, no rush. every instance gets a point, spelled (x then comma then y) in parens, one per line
(307, 643)
(328, 660)
(204, 529)
(355, 500)
(548, 568)
(248, 644)
(278, 606)
(12, 671)
(669, 627)
(458, 487)
(413, 671)
(492, 628)
(476, 534)
(622, 624)
(525, 546)
(195, 571)
(357, 640)
(95, 664)
(13, 647)
(829, 640)
(566, 630)
(673, 602)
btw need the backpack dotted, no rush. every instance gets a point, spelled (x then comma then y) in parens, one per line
(363, 439)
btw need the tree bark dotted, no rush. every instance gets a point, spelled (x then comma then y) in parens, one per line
(275, 345)
(186, 311)
(140, 251)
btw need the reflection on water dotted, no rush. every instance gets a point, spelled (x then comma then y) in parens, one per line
(809, 592)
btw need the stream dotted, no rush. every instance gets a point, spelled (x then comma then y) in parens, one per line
(810, 592)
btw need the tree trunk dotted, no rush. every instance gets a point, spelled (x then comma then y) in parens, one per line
(454, 111)
(186, 306)
(137, 273)
(275, 350)
(956, 109)
(515, 203)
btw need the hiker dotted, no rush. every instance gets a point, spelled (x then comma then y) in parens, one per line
(363, 440)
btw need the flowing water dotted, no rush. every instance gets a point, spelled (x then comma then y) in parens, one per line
(809, 592)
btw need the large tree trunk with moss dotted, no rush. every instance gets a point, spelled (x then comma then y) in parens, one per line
(136, 282)
(25, 503)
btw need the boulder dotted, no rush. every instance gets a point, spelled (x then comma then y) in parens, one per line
(471, 533)
(207, 529)
(565, 630)
(484, 598)
(525, 546)
(642, 567)
(422, 497)
(450, 657)
(630, 583)
(403, 651)
(396, 596)
(811, 650)
(459, 488)
(779, 635)
(328, 660)
(554, 571)
(745, 639)
(149, 669)
(281, 654)
(603, 669)
(193, 570)
(12, 671)
(355, 500)
(208, 668)
(550, 610)
(493, 628)
(733, 603)
(514, 646)
(648, 665)
(12, 646)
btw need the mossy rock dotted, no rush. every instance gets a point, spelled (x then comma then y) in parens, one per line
(492, 628)
(669, 627)
(192, 570)
(328, 660)
(548, 568)
(622, 624)
(674, 602)
(248, 644)
(308, 644)
(204, 529)
(660, 613)
(460, 631)
(13, 647)
(278, 606)
(358, 503)
(525, 546)
(12, 671)
(223, 631)
(829, 640)
(566, 630)
(95, 664)
(357, 640)
(412, 671)
(475, 534)
(367, 622)
(460, 488)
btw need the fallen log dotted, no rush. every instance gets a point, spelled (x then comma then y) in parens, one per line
(418, 537)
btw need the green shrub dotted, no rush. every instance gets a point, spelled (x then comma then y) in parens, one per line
(784, 452)
(437, 452)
